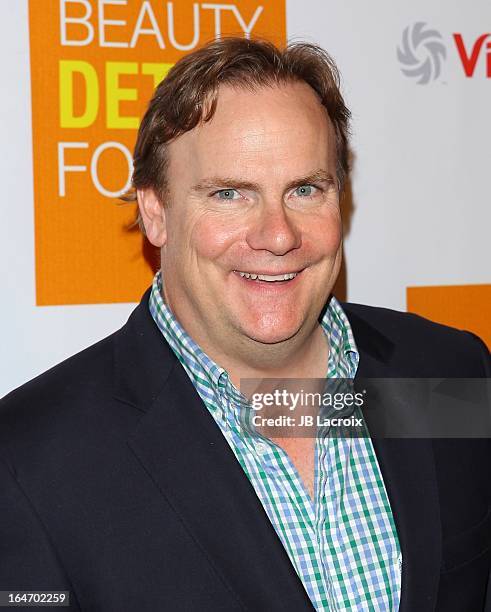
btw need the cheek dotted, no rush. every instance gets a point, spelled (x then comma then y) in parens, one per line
(211, 236)
(325, 234)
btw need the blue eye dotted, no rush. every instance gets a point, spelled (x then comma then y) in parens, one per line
(226, 194)
(305, 190)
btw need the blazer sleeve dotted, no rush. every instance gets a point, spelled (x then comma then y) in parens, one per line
(28, 561)
(486, 360)
(485, 355)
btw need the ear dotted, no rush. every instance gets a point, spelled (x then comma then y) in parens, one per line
(152, 212)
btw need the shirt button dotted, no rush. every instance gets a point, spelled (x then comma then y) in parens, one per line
(261, 448)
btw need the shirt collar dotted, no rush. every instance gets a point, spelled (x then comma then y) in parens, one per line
(343, 353)
(185, 348)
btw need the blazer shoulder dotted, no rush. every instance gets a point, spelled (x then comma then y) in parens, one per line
(78, 369)
(425, 340)
(395, 323)
(96, 394)
(83, 379)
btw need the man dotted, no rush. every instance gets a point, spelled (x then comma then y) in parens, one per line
(128, 476)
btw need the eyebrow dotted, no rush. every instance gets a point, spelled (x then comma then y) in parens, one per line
(227, 181)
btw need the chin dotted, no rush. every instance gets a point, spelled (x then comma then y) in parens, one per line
(272, 334)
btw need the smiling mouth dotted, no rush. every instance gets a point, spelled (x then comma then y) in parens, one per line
(269, 278)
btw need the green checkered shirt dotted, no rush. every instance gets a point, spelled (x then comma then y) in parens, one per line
(343, 544)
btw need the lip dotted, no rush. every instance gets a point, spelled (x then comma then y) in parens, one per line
(268, 287)
(269, 272)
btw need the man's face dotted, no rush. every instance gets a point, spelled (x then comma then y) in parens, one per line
(253, 191)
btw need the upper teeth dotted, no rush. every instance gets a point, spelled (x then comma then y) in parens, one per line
(268, 277)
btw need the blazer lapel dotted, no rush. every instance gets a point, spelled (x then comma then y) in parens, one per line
(191, 463)
(408, 470)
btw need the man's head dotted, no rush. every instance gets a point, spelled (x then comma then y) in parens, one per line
(188, 96)
(238, 166)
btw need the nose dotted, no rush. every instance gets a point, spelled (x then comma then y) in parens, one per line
(274, 231)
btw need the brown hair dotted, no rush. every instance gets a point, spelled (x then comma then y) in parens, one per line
(188, 95)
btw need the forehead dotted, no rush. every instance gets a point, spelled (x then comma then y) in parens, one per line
(268, 129)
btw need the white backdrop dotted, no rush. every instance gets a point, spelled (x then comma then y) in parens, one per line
(420, 186)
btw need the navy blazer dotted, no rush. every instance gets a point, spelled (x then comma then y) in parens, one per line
(117, 485)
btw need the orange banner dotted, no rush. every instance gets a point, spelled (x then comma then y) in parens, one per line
(463, 306)
(94, 65)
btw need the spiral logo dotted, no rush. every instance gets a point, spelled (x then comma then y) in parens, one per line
(421, 53)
